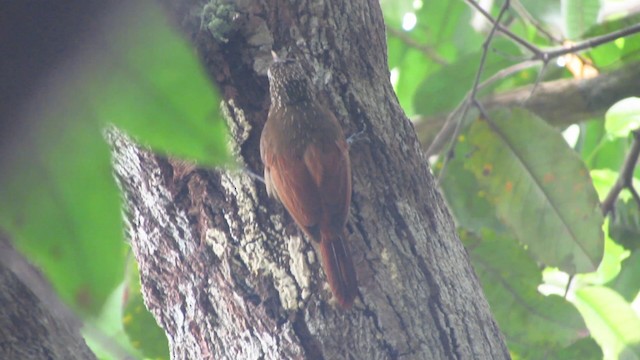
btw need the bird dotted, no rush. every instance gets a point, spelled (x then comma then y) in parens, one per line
(307, 168)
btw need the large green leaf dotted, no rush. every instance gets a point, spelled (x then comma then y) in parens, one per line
(456, 79)
(611, 321)
(141, 327)
(535, 326)
(61, 205)
(158, 92)
(623, 117)
(578, 16)
(540, 188)
(466, 199)
(626, 283)
(58, 197)
(611, 53)
(624, 225)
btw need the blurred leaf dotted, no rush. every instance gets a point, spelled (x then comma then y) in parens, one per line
(159, 92)
(600, 151)
(624, 225)
(456, 79)
(466, 199)
(626, 283)
(105, 335)
(610, 265)
(583, 349)
(610, 319)
(626, 49)
(623, 117)
(544, 11)
(58, 198)
(141, 327)
(535, 326)
(412, 66)
(62, 206)
(394, 11)
(540, 188)
(578, 16)
(443, 32)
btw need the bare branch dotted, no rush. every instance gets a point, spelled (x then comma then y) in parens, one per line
(448, 131)
(559, 102)
(625, 180)
(429, 51)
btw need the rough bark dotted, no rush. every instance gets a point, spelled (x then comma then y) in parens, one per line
(223, 267)
(34, 324)
(559, 102)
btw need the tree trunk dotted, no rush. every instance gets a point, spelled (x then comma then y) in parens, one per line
(224, 268)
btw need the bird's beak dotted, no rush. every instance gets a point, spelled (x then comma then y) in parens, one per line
(275, 56)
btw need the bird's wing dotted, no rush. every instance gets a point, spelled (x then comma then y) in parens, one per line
(329, 167)
(296, 190)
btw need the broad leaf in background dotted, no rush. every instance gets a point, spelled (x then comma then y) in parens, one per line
(619, 52)
(59, 199)
(62, 207)
(540, 188)
(626, 283)
(599, 150)
(578, 16)
(466, 199)
(611, 321)
(456, 79)
(536, 326)
(623, 117)
(158, 93)
(624, 225)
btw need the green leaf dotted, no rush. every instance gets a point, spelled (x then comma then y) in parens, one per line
(623, 117)
(578, 16)
(108, 325)
(600, 151)
(540, 188)
(456, 79)
(626, 283)
(583, 349)
(611, 321)
(626, 49)
(158, 92)
(141, 327)
(59, 200)
(624, 225)
(466, 199)
(534, 325)
(62, 207)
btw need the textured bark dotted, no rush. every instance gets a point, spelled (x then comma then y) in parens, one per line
(559, 102)
(223, 267)
(34, 324)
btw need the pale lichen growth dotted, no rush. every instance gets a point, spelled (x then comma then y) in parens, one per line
(218, 241)
(239, 127)
(299, 265)
(286, 288)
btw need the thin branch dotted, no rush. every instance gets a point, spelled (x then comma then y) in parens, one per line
(476, 83)
(496, 24)
(538, 55)
(548, 55)
(592, 42)
(447, 129)
(625, 180)
(524, 13)
(425, 49)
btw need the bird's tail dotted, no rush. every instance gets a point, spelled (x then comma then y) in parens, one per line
(338, 267)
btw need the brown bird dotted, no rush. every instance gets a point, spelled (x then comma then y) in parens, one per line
(306, 167)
